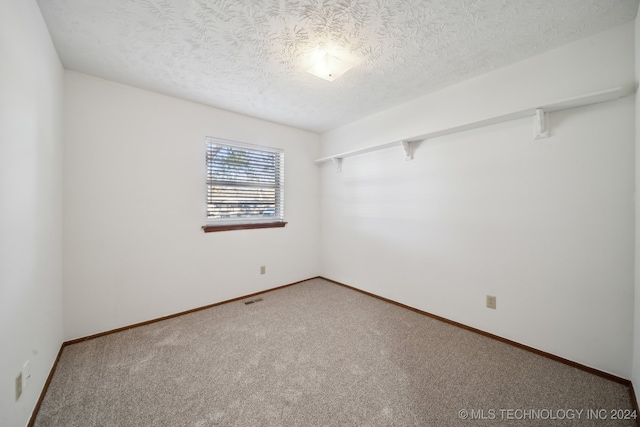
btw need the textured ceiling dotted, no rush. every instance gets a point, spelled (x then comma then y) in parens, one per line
(250, 56)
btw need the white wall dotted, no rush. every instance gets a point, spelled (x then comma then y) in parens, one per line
(31, 80)
(134, 182)
(636, 330)
(546, 226)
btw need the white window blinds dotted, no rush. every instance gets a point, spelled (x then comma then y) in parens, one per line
(245, 183)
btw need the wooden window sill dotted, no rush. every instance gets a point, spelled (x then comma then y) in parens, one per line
(216, 228)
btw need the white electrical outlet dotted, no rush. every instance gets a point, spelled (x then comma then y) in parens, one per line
(263, 269)
(19, 386)
(26, 375)
(491, 302)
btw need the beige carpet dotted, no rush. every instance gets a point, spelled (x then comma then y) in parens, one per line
(317, 354)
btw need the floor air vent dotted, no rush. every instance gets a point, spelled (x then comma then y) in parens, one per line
(252, 301)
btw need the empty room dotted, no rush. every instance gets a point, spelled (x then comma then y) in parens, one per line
(319, 213)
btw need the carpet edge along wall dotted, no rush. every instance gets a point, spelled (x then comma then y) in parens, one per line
(547, 355)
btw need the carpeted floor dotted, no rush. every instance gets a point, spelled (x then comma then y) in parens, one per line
(318, 354)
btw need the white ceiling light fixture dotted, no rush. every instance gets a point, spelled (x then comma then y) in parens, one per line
(329, 67)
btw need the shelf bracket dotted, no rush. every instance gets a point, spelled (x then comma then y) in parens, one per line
(408, 149)
(541, 124)
(337, 162)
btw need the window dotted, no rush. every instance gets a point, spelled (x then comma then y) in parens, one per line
(245, 186)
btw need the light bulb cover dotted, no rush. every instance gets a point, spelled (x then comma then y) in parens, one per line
(330, 67)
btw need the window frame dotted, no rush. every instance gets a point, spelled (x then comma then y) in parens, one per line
(226, 224)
